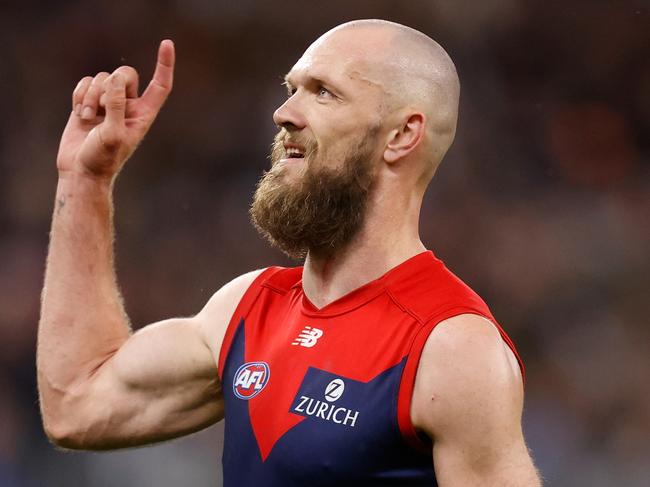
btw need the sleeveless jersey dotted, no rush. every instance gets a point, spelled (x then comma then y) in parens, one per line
(321, 397)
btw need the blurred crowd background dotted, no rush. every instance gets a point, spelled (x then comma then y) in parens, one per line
(542, 204)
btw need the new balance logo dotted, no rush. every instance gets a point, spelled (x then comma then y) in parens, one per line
(308, 337)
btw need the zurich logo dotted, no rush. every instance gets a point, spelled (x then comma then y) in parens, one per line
(327, 410)
(250, 379)
(334, 390)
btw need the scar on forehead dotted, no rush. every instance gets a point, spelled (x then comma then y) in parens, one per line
(366, 79)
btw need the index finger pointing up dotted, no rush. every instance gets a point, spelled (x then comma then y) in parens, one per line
(163, 77)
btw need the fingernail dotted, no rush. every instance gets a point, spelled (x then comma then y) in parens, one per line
(77, 109)
(87, 113)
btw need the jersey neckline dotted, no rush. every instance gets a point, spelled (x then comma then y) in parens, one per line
(361, 295)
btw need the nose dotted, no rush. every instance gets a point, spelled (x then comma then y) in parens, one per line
(289, 116)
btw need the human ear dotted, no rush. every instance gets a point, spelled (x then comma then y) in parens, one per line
(404, 139)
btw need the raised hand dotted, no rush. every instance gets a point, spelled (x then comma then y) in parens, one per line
(108, 119)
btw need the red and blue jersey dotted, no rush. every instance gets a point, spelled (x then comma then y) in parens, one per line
(319, 397)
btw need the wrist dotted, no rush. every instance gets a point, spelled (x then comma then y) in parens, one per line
(72, 178)
(84, 184)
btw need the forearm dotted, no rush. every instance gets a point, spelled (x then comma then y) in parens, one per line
(82, 317)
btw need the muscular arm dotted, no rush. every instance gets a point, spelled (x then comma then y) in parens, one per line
(468, 399)
(100, 385)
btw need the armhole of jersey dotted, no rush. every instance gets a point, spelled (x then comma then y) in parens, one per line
(407, 383)
(244, 306)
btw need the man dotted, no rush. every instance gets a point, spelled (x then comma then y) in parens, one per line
(356, 369)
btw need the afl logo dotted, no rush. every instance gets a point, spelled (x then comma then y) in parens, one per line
(334, 390)
(250, 379)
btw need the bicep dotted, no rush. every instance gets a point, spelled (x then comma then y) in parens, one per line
(161, 383)
(468, 398)
(489, 450)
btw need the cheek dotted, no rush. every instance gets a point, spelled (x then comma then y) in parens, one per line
(330, 153)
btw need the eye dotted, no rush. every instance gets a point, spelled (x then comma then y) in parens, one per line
(324, 92)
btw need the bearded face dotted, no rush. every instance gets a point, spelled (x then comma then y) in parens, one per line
(319, 210)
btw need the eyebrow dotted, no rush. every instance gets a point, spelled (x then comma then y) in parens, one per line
(320, 80)
(286, 81)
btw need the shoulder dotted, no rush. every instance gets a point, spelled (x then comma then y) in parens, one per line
(212, 321)
(466, 372)
(215, 316)
(468, 399)
(429, 290)
(230, 293)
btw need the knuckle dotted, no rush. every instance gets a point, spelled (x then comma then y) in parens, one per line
(99, 78)
(90, 96)
(96, 87)
(83, 81)
(131, 79)
(126, 70)
(82, 85)
(116, 103)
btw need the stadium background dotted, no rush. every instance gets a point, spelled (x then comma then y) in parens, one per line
(542, 204)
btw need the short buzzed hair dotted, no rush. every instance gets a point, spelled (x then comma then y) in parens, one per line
(418, 72)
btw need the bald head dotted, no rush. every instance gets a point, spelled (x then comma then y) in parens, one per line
(371, 110)
(412, 70)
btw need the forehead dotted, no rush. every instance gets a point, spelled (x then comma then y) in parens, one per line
(348, 56)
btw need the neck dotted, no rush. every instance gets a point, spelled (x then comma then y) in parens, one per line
(388, 237)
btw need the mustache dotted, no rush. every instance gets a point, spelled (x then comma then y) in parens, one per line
(284, 137)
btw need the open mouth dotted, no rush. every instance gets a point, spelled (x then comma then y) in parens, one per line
(294, 153)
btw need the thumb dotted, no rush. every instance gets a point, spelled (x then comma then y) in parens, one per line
(115, 99)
